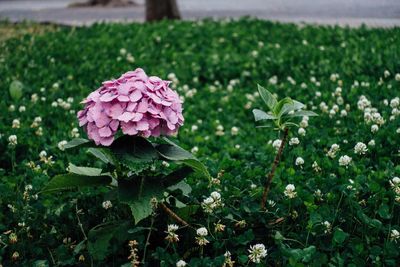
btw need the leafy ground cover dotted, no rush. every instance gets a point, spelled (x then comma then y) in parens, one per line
(333, 200)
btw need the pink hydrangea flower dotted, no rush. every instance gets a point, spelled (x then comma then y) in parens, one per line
(136, 103)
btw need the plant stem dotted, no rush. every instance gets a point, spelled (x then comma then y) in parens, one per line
(173, 215)
(147, 240)
(274, 165)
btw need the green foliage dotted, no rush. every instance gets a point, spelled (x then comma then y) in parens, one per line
(282, 111)
(217, 65)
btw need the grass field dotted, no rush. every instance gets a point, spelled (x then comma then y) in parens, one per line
(342, 212)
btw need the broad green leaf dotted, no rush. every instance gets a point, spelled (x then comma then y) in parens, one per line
(173, 152)
(71, 180)
(88, 171)
(339, 236)
(133, 148)
(137, 193)
(76, 142)
(302, 113)
(261, 115)
(279, 106)
(267, 97)
(16, 88)
(198, 167)
(184, 187)
(100, 239)
(176, 176)
(187, 212)
(293, 106)
(102, 154)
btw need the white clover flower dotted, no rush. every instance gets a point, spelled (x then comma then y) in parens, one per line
(394, 235)
(301, 131)
(333, 150)
(360, 148)
(16, 124)
(374, 128)
(42, 154)
(61, 145)
(12, 140)
(316, 167)
(181, 263)
(257, 253)
(397, 77)
(172, 227)
(371, 142)
(299, 161)
(194, 128)
(344, 161)
(11, 108)
(171, 235)
(396, 180)
(234, 130)
(343, 113)
(194, 150)
(328, 227)
(107, 204)
(386, 73)
(202, 231)
(290, 191)
(165, 164)
(277, 144)
(395, 102)
(294, 141)
(212, 202)
(22, 109)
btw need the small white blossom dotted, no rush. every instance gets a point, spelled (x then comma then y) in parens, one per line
(360, 148)
(374, 128)
(290, 191)
(107, 204)
(202, 231)
(234, 130)
(61, 145)
(181, 263)
(294, 141)
(12, 140)
(22, 109)
(257, 253)
(394, 235)
(299, 161)
(16, 124)
(301, 131)
(333, 150)
(344, 160)
(276, 144)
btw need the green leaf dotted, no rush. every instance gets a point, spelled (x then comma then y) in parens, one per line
(76, 142)
(261, 115)
(384, 211)
(100, 239)
(102, 154)
(176, 176)
(71, 180)
(291, 106)
(134, 148)
(302, 113)
(88, 171)
(15, 89)
(173, 152)
(137, 193)
(278, 109)
(267, 97)
(184, 187)
(339, 236)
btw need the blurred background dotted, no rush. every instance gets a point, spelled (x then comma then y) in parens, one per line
(375, 13)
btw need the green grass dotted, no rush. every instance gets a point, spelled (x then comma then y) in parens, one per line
(206, 56)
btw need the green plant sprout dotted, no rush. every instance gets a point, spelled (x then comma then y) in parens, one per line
(281, 114)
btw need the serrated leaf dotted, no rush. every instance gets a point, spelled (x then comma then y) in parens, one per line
(76, 142)
(137, 193)
(88, 171)
(16, 90)
(173, 152)
(134, 148)
(184, 187)
(102, 154)
(71, 180)
(267, 97)
(261, 115)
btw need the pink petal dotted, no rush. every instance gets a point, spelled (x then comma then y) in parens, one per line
(135, 95)
(126, 116)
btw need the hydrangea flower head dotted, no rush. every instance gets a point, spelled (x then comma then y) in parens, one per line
(136, 103)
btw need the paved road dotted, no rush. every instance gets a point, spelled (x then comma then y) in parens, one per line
(375, 13)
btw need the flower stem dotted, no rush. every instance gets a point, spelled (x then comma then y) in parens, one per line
(274, 165)
(173, 215)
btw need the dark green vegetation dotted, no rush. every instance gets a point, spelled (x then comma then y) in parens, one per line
(72, 62)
